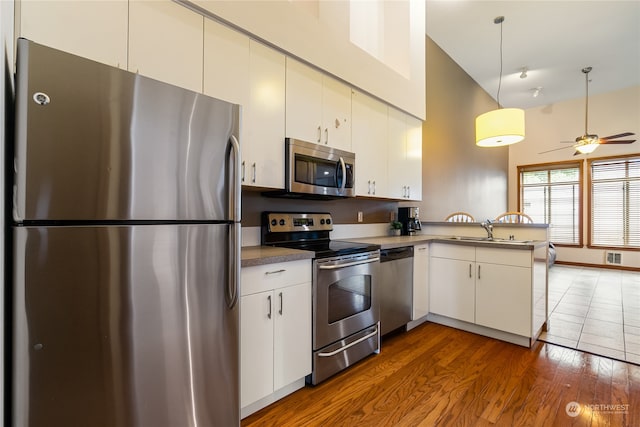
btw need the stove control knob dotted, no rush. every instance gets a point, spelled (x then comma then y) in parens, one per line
(328, 221)
(282, 222)
(322, 221)
(274, 222)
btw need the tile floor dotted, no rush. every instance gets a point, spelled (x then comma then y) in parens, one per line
(595, 310)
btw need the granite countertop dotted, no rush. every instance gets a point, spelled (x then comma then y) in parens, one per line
(388, 242)
(260, 255)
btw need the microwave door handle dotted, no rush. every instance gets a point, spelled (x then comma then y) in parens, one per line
(344, 174)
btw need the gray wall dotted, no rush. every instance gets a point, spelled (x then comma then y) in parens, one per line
(456, 174)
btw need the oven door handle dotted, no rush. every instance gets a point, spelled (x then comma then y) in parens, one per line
(347, 264)
(358, 341)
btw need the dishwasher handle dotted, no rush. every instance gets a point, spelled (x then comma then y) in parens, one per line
(393, 254)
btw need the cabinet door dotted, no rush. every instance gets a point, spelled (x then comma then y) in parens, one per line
(336, 114)
(503, 298)
(452, 288)
(413, 167)
(165, 42)
(369, 142)
(226, 63)
(256, 347)
(292, 343)
(405, 156)
(304, 102)
(263, 147)
(397, 155)
(420, 282)
(93, 29)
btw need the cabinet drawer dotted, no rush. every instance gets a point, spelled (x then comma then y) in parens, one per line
(266, 277)
(515, 257)
(453, 251)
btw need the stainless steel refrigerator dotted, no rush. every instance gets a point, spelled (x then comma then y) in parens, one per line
(126, 242)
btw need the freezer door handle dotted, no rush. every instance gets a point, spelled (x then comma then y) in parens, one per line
(235, 181)
(234, 228)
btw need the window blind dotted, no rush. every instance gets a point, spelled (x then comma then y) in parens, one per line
(615, 202)
(551, 194)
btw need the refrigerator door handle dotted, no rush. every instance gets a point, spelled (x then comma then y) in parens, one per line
(236, 181)
(235, 228)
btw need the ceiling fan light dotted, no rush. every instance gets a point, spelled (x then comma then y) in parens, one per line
(500, 127)
(587, 148)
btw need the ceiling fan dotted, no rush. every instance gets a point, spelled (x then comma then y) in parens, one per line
(587, 143)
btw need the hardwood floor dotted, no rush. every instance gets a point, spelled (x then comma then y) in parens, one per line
(435, 375)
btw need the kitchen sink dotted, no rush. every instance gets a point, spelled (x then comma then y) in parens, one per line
(487, 239)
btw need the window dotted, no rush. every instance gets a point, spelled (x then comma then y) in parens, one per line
(551, 194)
(615, 202)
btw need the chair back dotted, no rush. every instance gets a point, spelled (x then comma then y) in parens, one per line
(460, 217)
(514, 218)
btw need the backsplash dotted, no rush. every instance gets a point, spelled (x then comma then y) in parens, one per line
(343, 211)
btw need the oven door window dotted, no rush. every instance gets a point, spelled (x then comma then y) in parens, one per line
(314, 171)
(349, 296)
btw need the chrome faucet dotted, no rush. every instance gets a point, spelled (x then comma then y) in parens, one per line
(487, 225)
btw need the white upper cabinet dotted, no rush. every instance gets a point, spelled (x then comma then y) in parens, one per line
(226, 63)
(263, 145)
(304, 102)
(336, 113)
(405, 156)
(369, 142)
(93, 29)
(318, 107)
(166, 42)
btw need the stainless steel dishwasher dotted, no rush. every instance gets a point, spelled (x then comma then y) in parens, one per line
(395, 288)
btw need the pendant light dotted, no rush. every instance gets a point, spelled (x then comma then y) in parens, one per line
(503, 126)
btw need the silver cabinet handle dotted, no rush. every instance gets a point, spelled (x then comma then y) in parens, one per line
(374, 187)
(341, 349)
(253, 178)
(269, 313)
(408, 191)
(243, 171)
(326, 136)
(282, 270)
(280, 311)
(319, 134)
(469, 270)
(369, 187)
(478, 272)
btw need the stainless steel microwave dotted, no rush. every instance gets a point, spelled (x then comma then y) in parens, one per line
(319, 170)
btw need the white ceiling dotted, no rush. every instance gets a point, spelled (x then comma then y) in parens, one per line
(553, 39)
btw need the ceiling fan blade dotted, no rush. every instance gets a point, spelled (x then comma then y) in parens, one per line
(619, 141)
(555, 149)
(620, 135)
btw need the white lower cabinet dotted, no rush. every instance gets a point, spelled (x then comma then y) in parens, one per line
(490, 287)
(420, 281)
(275, 331)
(453, 290)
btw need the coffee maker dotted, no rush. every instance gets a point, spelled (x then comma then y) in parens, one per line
(410, 219)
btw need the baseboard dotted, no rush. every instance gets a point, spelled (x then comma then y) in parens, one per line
(607, 266)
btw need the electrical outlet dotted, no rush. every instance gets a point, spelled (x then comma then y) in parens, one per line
(360, 217)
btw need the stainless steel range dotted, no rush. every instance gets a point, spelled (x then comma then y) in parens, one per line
(346, 312)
